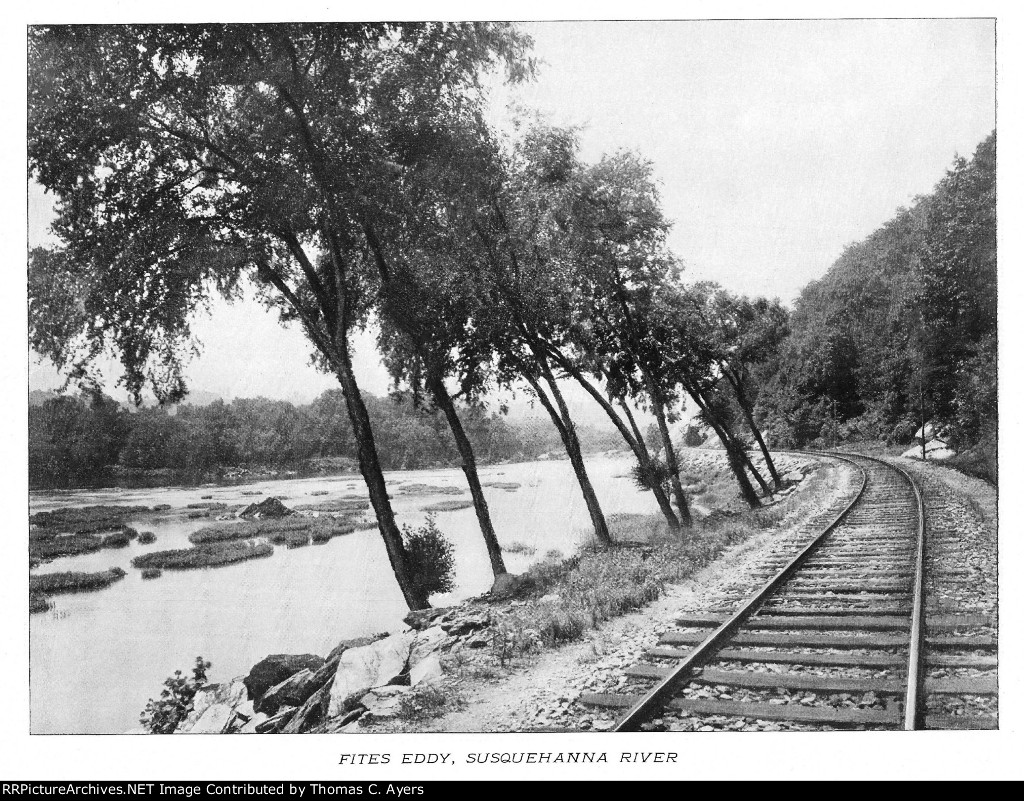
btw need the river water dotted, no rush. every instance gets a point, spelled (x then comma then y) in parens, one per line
(96, 657)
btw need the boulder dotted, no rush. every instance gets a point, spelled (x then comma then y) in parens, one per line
(794, 476)
(362, 669)
(213, 708)
(276, 668)
(426, 643)
(423, 618)
(931, 432)
(254, 722)
(505, 585)
(935, 449)
(464, 624)
(310, 713)
(426, 671)
(268, 508)
(245, 711)
(384, 702)
(277, 722)
(293, 691)
(357, 642)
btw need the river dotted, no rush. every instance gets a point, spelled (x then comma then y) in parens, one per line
(96, 657)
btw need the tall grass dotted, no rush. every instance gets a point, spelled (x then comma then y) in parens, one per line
(597, 585)
(209, 555)
(51, 583)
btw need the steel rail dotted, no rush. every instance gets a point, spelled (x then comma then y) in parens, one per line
(913, 713)
(655, 698)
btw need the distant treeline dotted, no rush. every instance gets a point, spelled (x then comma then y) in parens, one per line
(904, 318)
(90, 441)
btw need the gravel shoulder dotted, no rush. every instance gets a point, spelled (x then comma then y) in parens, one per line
(540, 694)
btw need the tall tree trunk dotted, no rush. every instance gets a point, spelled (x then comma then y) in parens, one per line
(659, 492)
(334, 346)
(753, 470)
(748, 414)
(672, 462)
(735, 457)
(369, 466)
(635, 440)
(563, 422)
(483, 515)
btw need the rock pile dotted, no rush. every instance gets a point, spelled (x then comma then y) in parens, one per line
(265, 509)
(293, 693)
(935, 446)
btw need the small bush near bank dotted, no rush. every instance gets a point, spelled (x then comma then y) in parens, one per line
(162, 716)
(152, 572)
(427, 701)
(147, 537)
(431, 557)
(649, 476)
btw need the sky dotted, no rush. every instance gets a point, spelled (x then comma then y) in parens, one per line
(776, 143)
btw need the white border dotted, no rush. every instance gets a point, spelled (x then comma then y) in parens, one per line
(938, 755)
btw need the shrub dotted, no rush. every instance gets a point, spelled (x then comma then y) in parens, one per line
(511, 637)
(162, 716)
(152, 573)
(427, 701)
(651, 475)
(147, 537)
(431, 558)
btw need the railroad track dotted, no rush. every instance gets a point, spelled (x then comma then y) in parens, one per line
(840, 634)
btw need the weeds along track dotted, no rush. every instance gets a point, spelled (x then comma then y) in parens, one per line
(837, 631)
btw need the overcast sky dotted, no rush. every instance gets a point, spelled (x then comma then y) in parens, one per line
(777, 143)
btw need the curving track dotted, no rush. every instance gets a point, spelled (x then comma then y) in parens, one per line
(836, 637)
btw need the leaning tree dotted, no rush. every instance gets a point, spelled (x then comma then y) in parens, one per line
(188, 158)
(428, 310)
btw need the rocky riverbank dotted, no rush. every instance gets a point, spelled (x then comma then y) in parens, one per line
(413, 678)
